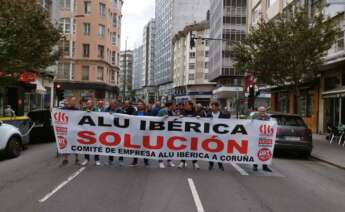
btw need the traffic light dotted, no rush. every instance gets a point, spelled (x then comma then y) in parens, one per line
(59, 92)
(192, 40)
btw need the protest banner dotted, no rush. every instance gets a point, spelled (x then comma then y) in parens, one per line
(208, 139)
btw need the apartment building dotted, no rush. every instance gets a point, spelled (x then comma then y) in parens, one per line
(138, 69)
(126, 74)
(228, 19)
(91, 48)
(321, 102)
(172, 16)
(190, 65)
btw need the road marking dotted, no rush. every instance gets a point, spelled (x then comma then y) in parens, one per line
(239, 169)
(196, 197)
(69, 179)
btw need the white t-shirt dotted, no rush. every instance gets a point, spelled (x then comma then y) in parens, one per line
(215, 115)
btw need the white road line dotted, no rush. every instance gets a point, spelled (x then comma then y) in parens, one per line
(195, 196)
(69, 179)
(239, 169)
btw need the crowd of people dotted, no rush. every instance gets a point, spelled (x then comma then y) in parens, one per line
(170, 108)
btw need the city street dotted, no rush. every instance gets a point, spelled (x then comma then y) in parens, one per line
(35, 181)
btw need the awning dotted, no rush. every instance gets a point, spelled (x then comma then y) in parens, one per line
(335, 93)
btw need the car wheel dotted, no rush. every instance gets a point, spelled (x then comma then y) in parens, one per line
(14, 147)
(306, 155)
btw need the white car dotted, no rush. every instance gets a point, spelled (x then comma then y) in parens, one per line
(11, 140)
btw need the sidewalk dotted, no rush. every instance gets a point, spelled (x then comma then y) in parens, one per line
(329, 153)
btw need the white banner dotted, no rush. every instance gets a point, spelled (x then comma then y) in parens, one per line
(208, 139)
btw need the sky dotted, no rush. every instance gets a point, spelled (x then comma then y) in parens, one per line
(136, 14)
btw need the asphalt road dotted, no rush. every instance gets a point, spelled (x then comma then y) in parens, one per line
(36, 182)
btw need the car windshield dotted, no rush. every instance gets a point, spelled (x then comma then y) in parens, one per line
(289, 121)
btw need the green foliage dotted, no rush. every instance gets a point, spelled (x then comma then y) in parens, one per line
(28, 39)
(288, 50)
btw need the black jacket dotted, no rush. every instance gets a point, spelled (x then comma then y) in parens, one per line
(222, 115)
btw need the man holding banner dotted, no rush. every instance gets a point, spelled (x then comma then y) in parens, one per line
(216, 113)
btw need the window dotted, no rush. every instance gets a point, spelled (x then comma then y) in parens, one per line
(113, 58)
(305, 104)
(100, 73)
(192, 66)
(192, 54)
(101, 9)
(100, 51)
(87, 7)
(85, 73)
(65, 4)
(101, 30)
(235, 3)
(191, 76)
(63, 71)
(66, 48)
(73, 48)
(206, 76)
(112, 78)
(65, 25)
(113, 38)
(206, 53)
(206, 65)
(87, 28)
(114, 20)
(86, 50)
(340, 41)
(270, 3)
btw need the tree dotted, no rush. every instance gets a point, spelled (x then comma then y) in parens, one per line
(288, 50)
(28, 39)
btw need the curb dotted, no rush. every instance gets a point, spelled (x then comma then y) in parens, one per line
(328, 162)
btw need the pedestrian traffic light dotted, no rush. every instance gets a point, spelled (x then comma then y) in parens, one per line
(192, 41)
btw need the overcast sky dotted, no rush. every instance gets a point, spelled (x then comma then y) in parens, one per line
(136, 14)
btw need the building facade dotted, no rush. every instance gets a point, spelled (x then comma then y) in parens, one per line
(126, 74)
(190, 65)
(228, 19)
(172, 16)
(320, 102)
(332, 81)
(138, 69)
(25, 97)
(91, 49)
(148, 91)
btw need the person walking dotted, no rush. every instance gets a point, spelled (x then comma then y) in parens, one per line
(216, 113)
(113, 108)
(156, 108)
(90, 108)
(189, 111)
(70, 104)
(127, 108)
(141, 112)
(263, 116)
(168, 110)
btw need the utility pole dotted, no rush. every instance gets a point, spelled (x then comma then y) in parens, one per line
(124, 73)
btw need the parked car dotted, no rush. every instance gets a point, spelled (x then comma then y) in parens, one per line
(43, 130)
(293, 135)
(11, 140)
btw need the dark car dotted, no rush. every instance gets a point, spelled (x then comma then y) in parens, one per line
(293, 135)
(43, 130)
